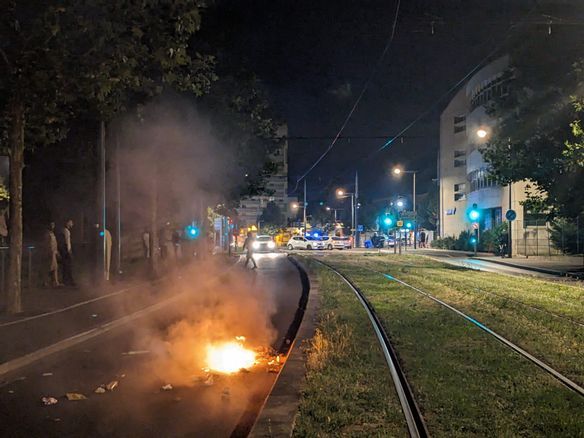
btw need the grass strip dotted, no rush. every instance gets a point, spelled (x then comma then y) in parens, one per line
(466, 382)
(348, 389)
(495, 300)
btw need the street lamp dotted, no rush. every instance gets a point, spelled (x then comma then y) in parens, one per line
(343, 194)
(334, 210)
(398, 171)
(482, 133)
(399, 203)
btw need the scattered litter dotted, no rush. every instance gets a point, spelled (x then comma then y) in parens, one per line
(74, 396)
(135, 352)
(56, 420)
(94, 315)
(112, 385)
(121, 376)
(99, 390)
(48, 401)
(209, 380)
(47, 374)
(10, 391)
(177, 399)
(167, 387)
(225, 394)
(20, 379)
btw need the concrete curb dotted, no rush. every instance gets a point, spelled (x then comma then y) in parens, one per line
(532, 268)
(278, 415)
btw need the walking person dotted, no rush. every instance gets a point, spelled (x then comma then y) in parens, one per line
(52, 256)
(66, 251)
(248, 245)
(422, 239)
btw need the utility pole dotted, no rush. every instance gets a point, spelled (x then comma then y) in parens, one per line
(103, 198)
(510, 243)
(415, 215)
(119, 206)
(304, 209)
(357, 235)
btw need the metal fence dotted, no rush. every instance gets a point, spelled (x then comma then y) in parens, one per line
(544, 238)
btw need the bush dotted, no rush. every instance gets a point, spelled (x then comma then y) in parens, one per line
(488, 242)
(565, 234)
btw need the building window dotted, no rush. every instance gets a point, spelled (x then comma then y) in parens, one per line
(459, 187)
(459, 124)
(459, 163)
(480, 179)
(459, 153)
(459, 197)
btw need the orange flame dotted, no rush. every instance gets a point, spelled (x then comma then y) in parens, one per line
(229, 357)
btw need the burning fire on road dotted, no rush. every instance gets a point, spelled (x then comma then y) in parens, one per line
(230, 357)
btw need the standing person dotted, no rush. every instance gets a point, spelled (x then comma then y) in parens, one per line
(66, 251)
(248, 245)
(52, 254)
(422, 239)
(146, 243)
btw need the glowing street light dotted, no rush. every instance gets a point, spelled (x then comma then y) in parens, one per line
(400, 203)
(397, 171)
(294, 205)
(340, 192)
(482, 133)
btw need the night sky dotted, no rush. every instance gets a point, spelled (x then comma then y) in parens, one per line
(315, 56)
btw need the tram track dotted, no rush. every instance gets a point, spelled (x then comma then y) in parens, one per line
(564, 380)
(414, 420)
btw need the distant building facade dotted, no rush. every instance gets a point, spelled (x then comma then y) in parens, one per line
(251, 209)
(463, 173)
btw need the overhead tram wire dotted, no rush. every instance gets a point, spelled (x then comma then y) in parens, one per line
(356, 104)
(444, 95)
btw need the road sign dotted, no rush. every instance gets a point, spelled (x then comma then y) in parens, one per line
(400, 223)
(360, 228)
(475, 225)
(511, 215)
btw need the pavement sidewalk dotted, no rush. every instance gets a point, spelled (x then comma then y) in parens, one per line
(572, 266)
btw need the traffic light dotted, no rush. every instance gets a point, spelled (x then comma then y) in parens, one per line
(387, 220)
(192, 232)
(473, 240)
(409, 224)
(474, 214)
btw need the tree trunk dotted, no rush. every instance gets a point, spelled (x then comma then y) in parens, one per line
(14, 283)
(154, 238)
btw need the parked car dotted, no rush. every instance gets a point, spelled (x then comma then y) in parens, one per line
(336, 242)
(299, 242)
(264, 243)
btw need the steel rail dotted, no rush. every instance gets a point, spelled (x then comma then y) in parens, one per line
(414, 419)
(570, 384)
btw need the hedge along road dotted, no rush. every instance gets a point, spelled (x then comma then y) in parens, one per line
(464, 380)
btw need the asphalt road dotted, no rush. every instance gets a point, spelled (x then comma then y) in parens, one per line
(138, 407)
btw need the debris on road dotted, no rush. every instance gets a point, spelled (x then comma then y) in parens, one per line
(209, 380)
(100, 390)
(135, 352)
(48, 401)
(226, 394)
(167, 387)
(47, 374)
(112, 385)
(94, 315)
(75, 396)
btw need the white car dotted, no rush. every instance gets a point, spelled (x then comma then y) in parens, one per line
(264, 244)
(336, 242)
(299, 242)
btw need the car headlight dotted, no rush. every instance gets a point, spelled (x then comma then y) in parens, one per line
(271, 245)
(255, 245)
